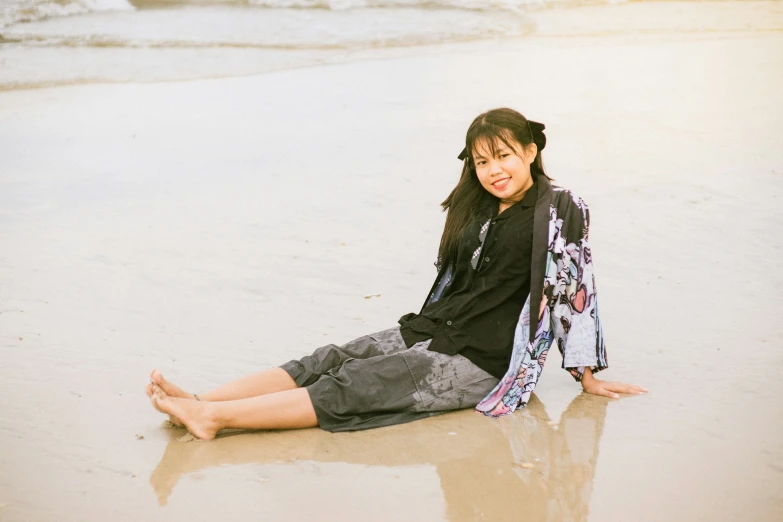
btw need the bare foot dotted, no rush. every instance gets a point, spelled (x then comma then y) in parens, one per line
(193, 414)
(150, 389)
(168, 388)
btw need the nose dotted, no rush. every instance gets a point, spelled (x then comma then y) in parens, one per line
(495, 168)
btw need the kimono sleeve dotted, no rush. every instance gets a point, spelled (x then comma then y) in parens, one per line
(577, 322)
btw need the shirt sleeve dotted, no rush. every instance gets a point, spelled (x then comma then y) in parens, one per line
(577, 325)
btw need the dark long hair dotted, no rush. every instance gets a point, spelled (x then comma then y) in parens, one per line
(468, 197)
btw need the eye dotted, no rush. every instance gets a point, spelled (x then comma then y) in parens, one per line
(505, 155)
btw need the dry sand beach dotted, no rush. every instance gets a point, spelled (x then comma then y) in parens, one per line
(211, 227)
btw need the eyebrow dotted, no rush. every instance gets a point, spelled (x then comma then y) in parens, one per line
(501, 148)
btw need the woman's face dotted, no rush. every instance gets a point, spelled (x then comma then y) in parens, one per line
(506, 175)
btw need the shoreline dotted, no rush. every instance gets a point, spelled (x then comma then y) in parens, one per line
(632, 20)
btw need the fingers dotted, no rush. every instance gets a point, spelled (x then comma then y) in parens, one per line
(604, 391)
(613, 390)
(621, 387)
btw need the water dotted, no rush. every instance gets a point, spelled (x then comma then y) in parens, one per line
(45, 42)
(16, 11)
(276, 28)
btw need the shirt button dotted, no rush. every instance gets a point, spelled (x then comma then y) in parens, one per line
(486, 259)
(448, 323)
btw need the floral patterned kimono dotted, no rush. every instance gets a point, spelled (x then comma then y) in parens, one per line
(562, 299)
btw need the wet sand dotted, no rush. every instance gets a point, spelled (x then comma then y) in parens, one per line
(211, 228)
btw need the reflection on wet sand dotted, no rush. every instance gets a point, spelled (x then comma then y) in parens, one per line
(523, 465)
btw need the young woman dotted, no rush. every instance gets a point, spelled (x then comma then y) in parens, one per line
(514, 247)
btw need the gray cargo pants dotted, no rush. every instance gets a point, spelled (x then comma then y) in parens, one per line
(376, 380)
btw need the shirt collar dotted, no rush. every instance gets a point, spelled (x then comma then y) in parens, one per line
(529, 200)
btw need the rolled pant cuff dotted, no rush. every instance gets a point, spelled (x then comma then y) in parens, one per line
(297, 372)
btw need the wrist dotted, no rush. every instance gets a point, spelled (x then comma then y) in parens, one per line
(587, 378)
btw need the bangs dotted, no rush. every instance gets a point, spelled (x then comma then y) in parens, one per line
(490, 137)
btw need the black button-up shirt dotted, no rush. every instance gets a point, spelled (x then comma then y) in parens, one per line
(491, 281)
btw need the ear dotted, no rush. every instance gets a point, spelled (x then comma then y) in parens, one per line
(530, 153)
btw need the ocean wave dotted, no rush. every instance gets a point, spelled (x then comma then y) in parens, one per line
(351, 4)
(20, 11)
(338, 5)
(364, 28)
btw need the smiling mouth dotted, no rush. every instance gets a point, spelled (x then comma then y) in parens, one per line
(501, 183)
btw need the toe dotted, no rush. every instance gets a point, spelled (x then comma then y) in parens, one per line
(154, 402)
(158, 392)
(166, 386)
(157, 377)
(160, 402)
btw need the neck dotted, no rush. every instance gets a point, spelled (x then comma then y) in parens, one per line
(516, 198)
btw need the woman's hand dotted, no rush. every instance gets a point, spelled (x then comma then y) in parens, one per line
(607, 388)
